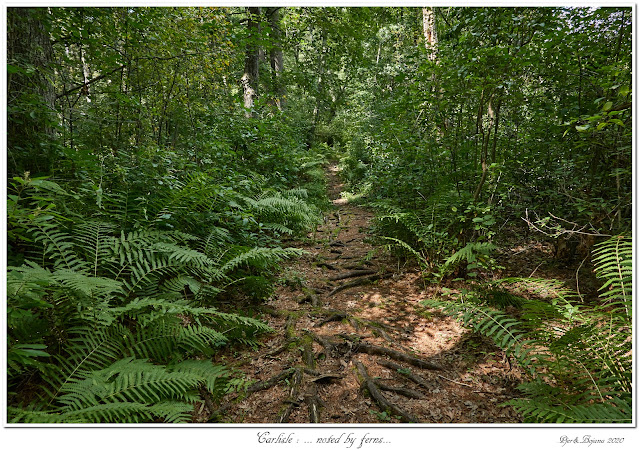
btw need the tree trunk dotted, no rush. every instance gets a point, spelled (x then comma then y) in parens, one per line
(276, 57)
(320, 85)
(494, 150)
(29, 134)
(430, 32)
(251, 75)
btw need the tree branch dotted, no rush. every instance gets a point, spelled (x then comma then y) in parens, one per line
(92, 80)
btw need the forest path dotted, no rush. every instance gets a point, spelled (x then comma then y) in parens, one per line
(346, 317)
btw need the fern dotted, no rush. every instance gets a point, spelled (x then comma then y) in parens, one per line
(215, 378)
(506, 331)
(542, 406)
(470, 253)
(613, 264)
(166, 338)
(398, 243)
(288, 209)
(260, 257)
(30, 281)
(579, 357)
(95, 239)
(128, 390)
(108, 316)
(57, 244)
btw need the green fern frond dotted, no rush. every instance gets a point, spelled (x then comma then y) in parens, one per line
(57, 245)
(216, 239)
(214, 377)
(129, 380)
(547, 404)
(579, 357)
(260, 257)
(470, 253)
(291, 211)
(135, 389)
(403, 245)
(130, 412)
(178, 284)
(88, 350)
(299, 193)
(183, 255)
(124, 208)
(147, 271)
(278, 228)
(161, 340)
(29, 281)
(506, 331)
(94, 238)
(613, 264)
(89, 286)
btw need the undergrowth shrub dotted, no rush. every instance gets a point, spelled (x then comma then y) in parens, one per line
(578, 357)
(445, 235)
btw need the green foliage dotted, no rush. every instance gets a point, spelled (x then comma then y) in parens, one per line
(476, 255)
(429, 233)
(500, 118)
(123, 294)
(578, 356)
(130, 390)
(141, 191)
(613, 264)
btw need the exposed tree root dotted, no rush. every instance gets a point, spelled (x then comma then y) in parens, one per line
(321, 340)
(208, 400)
(326, 266)
(289, 328)
(367, 382)
(313, 403)
(364, 347)
(335, 316)
(406, 373)
(215, 415)
(260, 386)
(356, 322)
(380, 329)
(406, 392)
(276, 312)
(293, 398)
(307, 354)
(279, 349)
(352, 274)
(310, 297)
(358, 266)
(359, 282)
(326, 377)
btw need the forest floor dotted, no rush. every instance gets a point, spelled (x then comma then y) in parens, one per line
(354, 344)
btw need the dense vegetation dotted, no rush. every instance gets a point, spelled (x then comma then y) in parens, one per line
(158, 160)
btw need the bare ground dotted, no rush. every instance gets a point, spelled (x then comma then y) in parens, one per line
(368, 351)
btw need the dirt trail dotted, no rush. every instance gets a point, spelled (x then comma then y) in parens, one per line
(362, 349)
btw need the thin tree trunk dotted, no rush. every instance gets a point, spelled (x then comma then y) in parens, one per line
(320, 85)
(430, 32)
(277, 57)
(251, 76)
(484, 151)
(493, 156)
